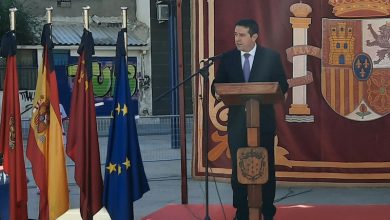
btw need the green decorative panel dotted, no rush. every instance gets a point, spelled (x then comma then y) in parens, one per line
(132, 78)
(103, 78)
(72, 70)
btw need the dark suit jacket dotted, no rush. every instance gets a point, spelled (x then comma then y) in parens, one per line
(266, 67)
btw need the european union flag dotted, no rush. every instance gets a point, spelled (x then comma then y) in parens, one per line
(125, 180)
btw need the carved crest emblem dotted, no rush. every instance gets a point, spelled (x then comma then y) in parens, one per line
(355, 74)
(252, 165)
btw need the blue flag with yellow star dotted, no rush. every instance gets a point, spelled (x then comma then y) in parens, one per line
(125, 180)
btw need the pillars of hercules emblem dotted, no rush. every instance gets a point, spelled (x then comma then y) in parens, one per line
(300, 24)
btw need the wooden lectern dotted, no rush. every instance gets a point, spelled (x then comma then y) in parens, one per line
(252, 161)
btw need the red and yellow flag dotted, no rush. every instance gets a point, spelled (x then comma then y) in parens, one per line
(82, 143)
(11, 143)
(45, 148)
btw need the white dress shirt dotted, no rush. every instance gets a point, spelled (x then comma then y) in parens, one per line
(251, 57)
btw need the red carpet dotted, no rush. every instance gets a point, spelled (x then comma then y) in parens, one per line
(291, 212)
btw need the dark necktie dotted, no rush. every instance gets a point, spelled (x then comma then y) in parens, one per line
(246, 68)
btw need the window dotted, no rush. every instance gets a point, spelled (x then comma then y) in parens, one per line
(27, 69)
(64, 3)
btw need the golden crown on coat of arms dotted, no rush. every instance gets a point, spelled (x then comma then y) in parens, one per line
(300, 10)
(360, 8)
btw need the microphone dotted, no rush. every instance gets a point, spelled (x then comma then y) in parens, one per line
(216, 57)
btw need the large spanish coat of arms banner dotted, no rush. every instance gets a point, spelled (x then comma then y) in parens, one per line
(355, 76)
(334, 126)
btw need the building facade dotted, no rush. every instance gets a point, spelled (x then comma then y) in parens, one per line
(149, 39)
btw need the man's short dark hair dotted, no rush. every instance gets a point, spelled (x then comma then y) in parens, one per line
(249, 23)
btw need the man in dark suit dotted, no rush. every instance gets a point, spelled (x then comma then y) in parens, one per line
(250, 62)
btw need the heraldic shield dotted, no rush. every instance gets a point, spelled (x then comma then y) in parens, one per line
(355, 72)
(252, 165)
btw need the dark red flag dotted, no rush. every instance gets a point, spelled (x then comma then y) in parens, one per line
(82, 142)
(11, 143)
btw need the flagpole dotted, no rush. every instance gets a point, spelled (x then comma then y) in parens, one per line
(86, 17)
(182, 113)
(124, 25)
(48, 14)
(12, 18)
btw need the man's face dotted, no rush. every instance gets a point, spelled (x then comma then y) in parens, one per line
(243, 40)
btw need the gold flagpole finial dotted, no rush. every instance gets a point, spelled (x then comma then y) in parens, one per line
(86, 16)
(124, 24)
(12, 19)
(124, 17)
(48, 14)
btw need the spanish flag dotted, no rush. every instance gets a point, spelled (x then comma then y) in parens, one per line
(11, 143)
(45, 148)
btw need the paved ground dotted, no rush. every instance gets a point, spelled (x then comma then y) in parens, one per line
(162, 166)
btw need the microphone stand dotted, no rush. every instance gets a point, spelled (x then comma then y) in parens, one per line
(204, 71)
